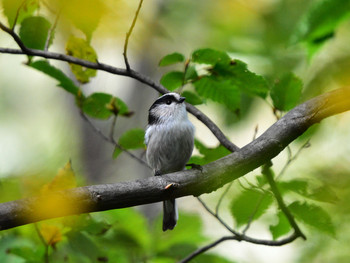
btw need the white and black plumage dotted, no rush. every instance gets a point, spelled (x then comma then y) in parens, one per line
(169, 138)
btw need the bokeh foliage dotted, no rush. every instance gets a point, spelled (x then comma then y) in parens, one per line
(219, 72)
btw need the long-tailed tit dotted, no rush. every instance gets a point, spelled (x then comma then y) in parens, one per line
(169, 138)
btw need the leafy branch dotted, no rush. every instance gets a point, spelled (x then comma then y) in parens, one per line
(116, 71)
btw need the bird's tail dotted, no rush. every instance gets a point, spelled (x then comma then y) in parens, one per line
(170, 214)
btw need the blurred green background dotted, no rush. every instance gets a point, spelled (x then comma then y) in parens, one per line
(41, 129)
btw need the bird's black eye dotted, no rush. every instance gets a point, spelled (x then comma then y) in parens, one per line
(168, 102)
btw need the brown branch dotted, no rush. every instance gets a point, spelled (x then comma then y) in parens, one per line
(201, 250)
(190, 182)
(128, 34)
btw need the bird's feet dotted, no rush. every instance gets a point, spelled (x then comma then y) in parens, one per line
(195, 166)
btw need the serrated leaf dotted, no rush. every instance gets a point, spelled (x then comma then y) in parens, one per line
(319, 23)
(192, 98)
(64, 82)
(24, 9)
(286, 92)
(249, 206)
(208, 154)
(132, 139)
(281, 228)
(171, 59)
(80, 48)
(172, 80)
(34, 32)
(314, 216)
(210, 56)
(237, 72)
(222, 91)
(96, 105)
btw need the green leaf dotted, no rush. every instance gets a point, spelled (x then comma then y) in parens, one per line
(239, 75)
(64, 82)
(132, 139)
(314, 216)
(24, 8)
(222, 91)
(191, 74)
(81, 242)
(171, 59)
(249, 206)
(80, 48)
(34, 32)
(96, 105)
(208, 154)
(281, 228)
(297, 186)
(192, 98)
(27, 253)
(210, 56)
(320, 22)
(286, 92)
(324, 194)
(172, 80)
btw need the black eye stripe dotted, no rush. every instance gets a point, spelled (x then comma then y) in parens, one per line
(164, 100)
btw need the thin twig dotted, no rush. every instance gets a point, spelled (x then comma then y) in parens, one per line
(128, 34)
(292, 158)
(218, 218)
(51, 32)
(222, 197)
(267, 171)
(17, 15)
(111, 132)
(112, 141)
(46, 255)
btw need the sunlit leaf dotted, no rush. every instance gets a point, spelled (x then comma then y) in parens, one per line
(34, 32)
(85, 14)
(23, 8)
(51, 234)
(192, 98)
(132, 139)
(314, 216)
(210, 56)
(249, 206)
(286, 92)
(297, 185)
(64, 82)
(191, 74)
(80, 48)
(281, 228)
(24, 252)
(171, 59)
(172, 80)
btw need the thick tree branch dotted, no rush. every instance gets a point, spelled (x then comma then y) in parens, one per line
(191, 182)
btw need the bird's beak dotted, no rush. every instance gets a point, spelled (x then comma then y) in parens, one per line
(182, 99)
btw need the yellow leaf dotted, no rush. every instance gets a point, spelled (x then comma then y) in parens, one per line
(51, 234)
(64, 179)
(52, 201)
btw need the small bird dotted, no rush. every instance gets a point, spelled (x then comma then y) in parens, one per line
(169, 138)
